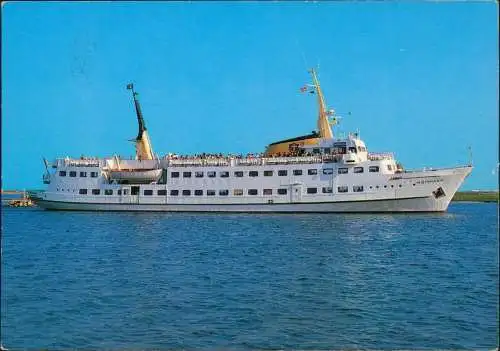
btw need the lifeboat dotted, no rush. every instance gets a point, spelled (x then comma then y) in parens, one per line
(135, 176)
(144, 151)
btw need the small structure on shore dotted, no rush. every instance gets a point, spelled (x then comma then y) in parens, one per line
(25, 201)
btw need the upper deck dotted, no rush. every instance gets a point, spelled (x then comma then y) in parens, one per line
(262, 161)
(209, 161)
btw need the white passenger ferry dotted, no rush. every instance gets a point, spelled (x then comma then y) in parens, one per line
(311, 173)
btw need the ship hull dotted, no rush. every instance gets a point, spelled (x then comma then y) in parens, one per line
(417, 204)
(430, 195)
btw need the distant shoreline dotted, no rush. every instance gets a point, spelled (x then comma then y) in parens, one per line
(476, 196)
(461, 196)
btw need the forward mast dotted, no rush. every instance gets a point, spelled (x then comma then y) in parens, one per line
(143, 147)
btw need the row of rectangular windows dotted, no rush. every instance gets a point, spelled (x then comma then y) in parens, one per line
(82, 174)
(225, 192)
(337, 149)
(239, 174)
(119, 192)
(281, 173)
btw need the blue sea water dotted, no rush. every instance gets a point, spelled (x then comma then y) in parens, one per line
(237, 281)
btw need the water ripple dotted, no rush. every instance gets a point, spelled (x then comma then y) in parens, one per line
(184, 281)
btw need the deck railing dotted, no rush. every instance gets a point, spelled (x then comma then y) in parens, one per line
(251, 161)
(217, 161)
(88, 162)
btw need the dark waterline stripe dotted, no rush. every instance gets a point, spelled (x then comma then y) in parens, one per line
(242, 204)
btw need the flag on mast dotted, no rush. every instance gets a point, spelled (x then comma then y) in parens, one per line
(307, 88)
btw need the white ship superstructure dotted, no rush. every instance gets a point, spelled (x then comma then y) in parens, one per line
(315, 173)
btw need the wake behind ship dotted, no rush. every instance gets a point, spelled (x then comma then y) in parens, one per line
(317, 172)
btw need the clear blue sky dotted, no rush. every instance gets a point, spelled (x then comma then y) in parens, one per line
(420, 79)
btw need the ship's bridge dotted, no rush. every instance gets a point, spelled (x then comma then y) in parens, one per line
(352, 148)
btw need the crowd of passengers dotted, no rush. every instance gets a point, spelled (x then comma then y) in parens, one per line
(216, 156)
(208, 156)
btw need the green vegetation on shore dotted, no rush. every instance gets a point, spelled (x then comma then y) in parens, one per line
(480, 196)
